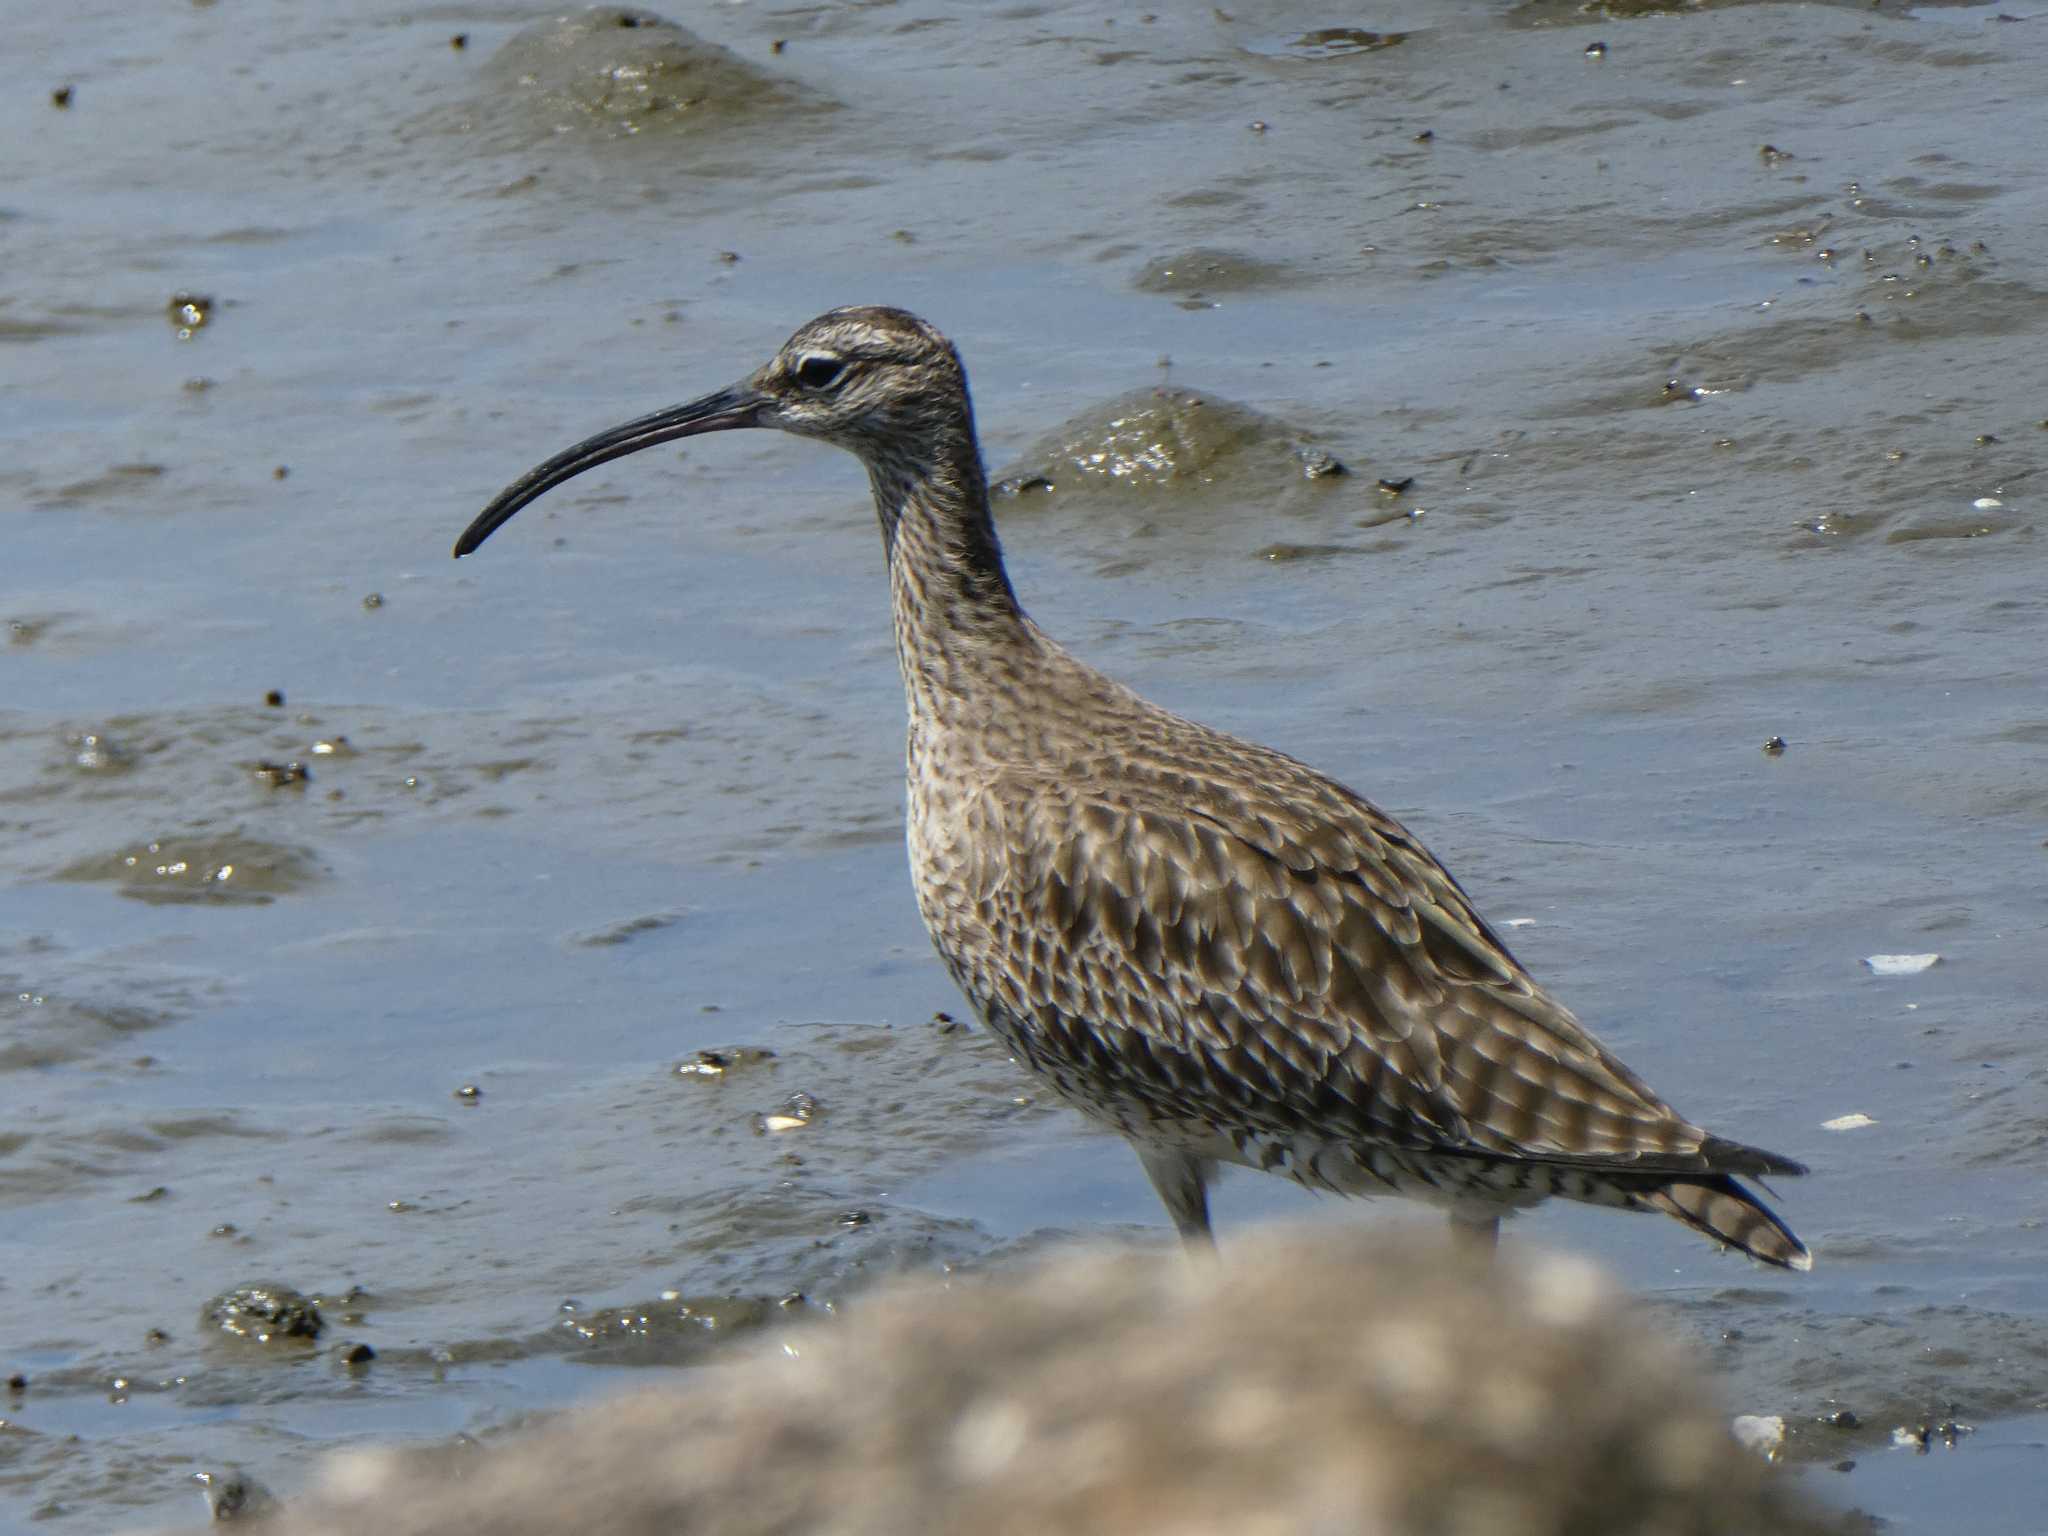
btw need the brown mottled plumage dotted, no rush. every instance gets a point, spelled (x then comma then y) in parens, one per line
(1199, 941)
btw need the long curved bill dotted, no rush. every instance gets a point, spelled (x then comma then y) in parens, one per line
(738, 406)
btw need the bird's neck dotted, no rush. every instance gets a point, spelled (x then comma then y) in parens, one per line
(957, 619)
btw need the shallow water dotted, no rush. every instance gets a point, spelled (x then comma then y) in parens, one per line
(1701, 440)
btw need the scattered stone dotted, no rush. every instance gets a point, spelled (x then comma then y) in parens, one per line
(1206, 269)
(220, 869)
(716, 1064)
(263, 1314)
(797, 1111)
(1160, 440)
(233, 1495)
(189, 313)
(1899, 965)
(1774, 746)
(620, 72)
(274, 698)
(94, 753)
(1763, 1434)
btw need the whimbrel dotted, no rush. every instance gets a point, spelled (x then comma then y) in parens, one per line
(1200, 942)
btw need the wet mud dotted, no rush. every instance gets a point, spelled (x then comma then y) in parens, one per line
(618, 72)
(533, 980)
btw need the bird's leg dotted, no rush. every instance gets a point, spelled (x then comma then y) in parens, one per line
(1475, 1234)
(1183, 1185)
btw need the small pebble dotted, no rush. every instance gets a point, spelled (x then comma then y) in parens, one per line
(374, 600)
(189, 312)
(469, 1092)
(61, 97)
(274, 698)
(798, 1111)
(459, 41)
(1257, 126)
(1596, 50)
(1762, 1433)
(1774, 746)
(1899, 965)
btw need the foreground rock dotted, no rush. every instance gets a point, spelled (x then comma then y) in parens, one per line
(1310, 1383)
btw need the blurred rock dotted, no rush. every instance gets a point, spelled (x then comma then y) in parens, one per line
(1312, 1382)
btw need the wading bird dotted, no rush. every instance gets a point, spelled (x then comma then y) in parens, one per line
(1197, 941)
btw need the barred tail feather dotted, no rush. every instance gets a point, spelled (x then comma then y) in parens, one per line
(1728, 1213)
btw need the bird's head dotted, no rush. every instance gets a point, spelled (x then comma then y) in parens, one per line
(878, 382)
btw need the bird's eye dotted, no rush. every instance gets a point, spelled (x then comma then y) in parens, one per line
(819, 371)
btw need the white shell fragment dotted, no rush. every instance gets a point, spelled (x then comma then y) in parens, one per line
(1986, 503)
(1854, 1122)
(1899, 965)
